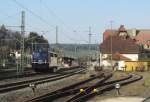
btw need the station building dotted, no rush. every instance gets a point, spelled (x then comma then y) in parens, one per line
(125, 50)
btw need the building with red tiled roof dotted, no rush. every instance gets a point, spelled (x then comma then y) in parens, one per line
(131, 44)
(120, 45)
(126, 48)
(109, 32)
(120, 32)
(143, 39)
(117, 56)
(122, 28)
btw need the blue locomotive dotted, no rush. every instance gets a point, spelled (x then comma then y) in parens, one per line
(43, 60)
(40, 60)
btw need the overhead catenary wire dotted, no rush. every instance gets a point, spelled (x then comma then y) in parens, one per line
(36, 15)
(60, 20)
(33, 13)
(13, 17)
(44, 21)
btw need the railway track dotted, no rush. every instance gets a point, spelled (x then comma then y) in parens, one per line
(67, 90)
(101, 86)
(24, 84)
(106, 87)
(29, 73)
(13, 74)
(58, 92)
(146, 99)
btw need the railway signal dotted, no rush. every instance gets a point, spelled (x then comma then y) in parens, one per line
(95, 90)
(117, 87)
(33, 87)
(82, 90)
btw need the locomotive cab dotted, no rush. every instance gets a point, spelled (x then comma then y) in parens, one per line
(43, 60)
(40, 61)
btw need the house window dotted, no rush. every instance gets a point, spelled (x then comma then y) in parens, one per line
(148, 43)
(145, 46)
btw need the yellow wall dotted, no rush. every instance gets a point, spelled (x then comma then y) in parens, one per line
(133, 65)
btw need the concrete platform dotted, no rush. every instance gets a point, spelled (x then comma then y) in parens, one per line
(121, 99)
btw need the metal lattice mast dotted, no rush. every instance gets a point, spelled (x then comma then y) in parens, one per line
(89, 47)
(57, 49)
(23, 35)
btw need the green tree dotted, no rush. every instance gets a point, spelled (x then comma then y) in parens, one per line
(18, 40)
(34, 37)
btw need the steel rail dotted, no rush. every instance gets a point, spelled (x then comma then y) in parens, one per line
(67, 91)
(76, 90)
(59, 92)
(108, 87)
(89, 89)
(24, 84)
(33, 80)
(29, 74)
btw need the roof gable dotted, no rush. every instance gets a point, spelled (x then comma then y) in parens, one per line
(109, 32)
(122, 28)
(118, 56)
(143, 37)
(120, 45)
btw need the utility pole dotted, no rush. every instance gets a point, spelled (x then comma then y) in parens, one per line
(111, 44)
(75, 50)
(56, 35)
(89, 47)
(98, 53)
(20, 69)
(57, 49)
(23, 35)
(75, 47)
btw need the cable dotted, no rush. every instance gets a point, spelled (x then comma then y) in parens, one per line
(10, 16)
(39, 17)
(13, 16)
(43, 20)
(60, 20)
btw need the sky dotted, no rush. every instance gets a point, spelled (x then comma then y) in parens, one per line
(74, 17)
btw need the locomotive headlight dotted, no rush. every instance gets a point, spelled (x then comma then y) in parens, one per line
(45, 61)
(33, 61)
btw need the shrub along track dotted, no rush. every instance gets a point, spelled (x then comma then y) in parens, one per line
(24, 84)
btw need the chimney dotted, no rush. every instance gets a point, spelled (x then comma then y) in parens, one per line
(122, 28)
(134, 32)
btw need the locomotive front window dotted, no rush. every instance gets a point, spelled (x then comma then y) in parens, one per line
(44, 55)
(40, 56)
